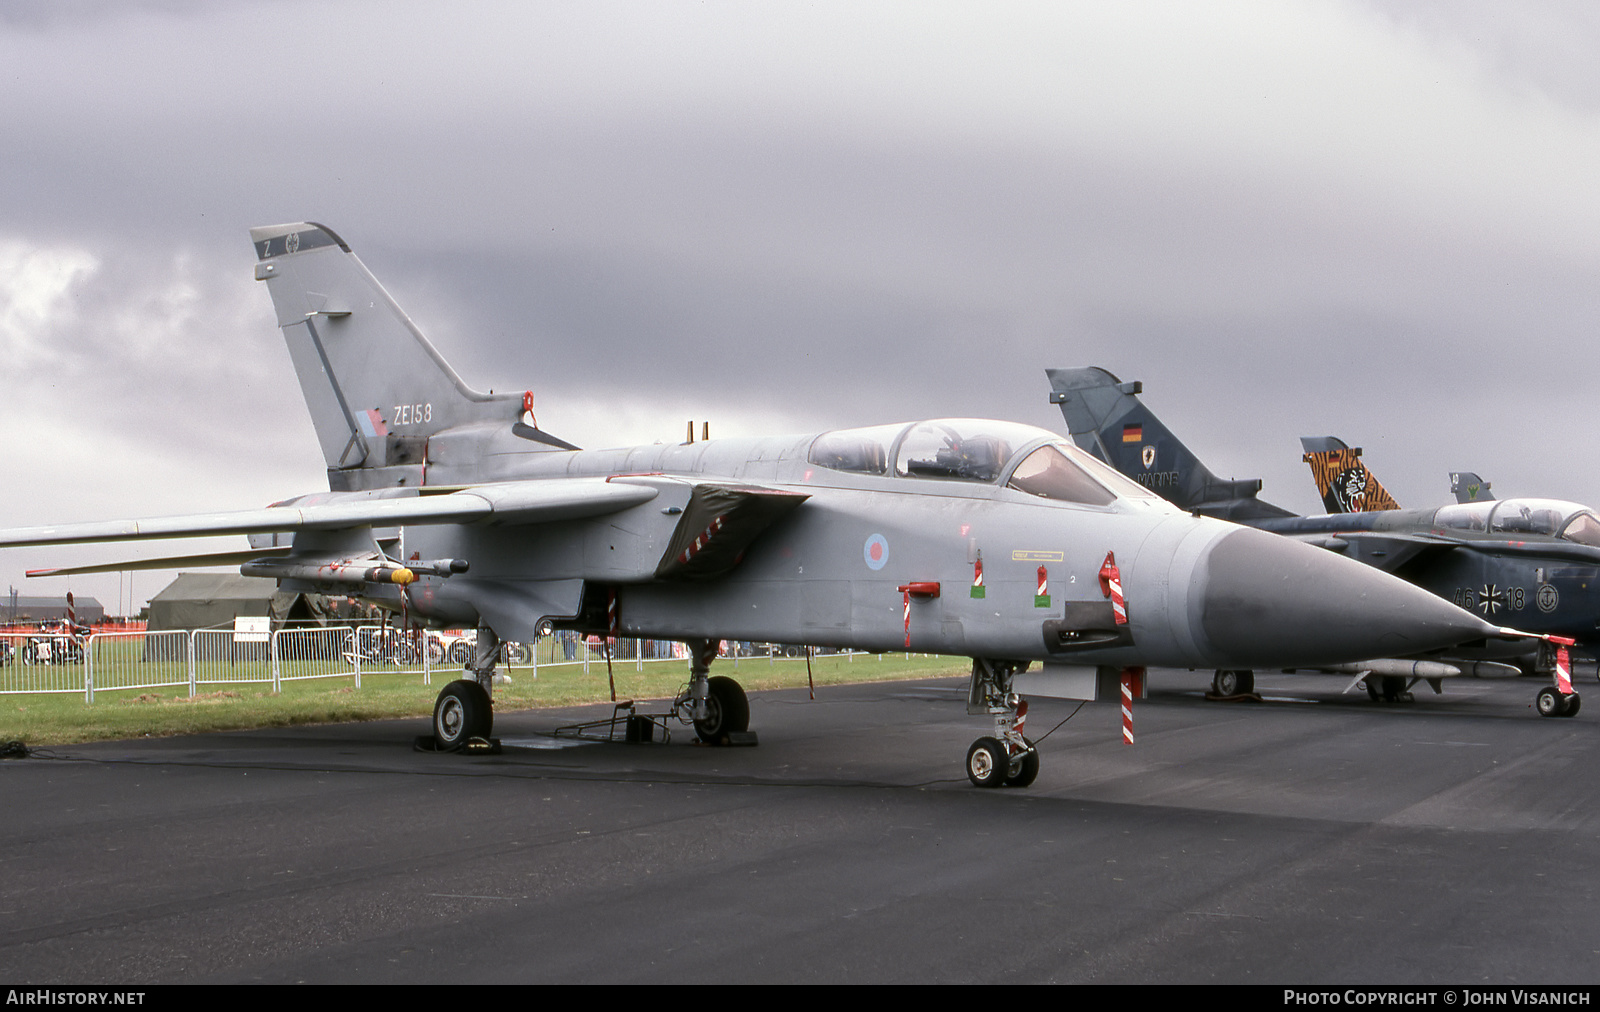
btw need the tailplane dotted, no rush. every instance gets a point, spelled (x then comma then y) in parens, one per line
(384, 402)
(1106, 418)
(1343, 481)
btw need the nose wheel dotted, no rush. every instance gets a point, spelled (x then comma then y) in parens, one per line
(1551, 703)
(1007, 758)
(987, 762)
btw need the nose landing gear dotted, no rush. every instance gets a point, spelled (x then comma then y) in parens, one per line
(1008, 758)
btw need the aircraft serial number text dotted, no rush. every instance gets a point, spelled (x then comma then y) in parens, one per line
(412, 414)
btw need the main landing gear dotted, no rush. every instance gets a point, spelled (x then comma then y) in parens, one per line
(1231, 682)
(1008, 758)
(716, 706)
(1387, 688)
(464, 712)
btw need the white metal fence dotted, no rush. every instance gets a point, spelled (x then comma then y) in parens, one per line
(117, 661)
(40, 662)
(138, 660)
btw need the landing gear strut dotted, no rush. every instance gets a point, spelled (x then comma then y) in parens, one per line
(715, 705)
(1008, 758)
(464, 709)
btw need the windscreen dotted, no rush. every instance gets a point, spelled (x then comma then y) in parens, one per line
(1049, 473)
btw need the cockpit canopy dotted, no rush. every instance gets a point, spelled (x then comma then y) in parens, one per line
(1029, 459)
(1550, 517)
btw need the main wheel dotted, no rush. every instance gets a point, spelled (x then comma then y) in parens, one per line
(987, 762)
(462, 711)
(1233, 683)
(30, 653)
(727, 711)
(1548, 702)
(1373, 692)
(1023, 769)
(460, 652)
(435, 651)
(1394, 687)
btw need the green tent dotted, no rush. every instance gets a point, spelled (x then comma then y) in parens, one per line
(214, 600)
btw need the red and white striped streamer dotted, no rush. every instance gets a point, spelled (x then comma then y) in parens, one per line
(1111, 586)
(908, 617)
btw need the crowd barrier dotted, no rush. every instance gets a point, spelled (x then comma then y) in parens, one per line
(115, 661)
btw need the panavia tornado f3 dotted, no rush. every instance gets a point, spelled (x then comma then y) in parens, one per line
(986, 539)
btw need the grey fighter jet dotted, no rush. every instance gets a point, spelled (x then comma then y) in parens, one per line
(1534, 563)
(991, 540)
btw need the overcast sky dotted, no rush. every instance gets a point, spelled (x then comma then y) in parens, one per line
(1373, 220)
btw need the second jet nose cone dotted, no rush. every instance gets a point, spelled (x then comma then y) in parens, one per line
(1269, 601)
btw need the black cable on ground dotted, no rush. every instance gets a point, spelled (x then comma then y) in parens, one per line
(1053, 730)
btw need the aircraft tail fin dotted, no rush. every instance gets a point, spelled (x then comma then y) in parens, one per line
(1106, 418)
(1468, 487)
(378, 391)
(1343, 481)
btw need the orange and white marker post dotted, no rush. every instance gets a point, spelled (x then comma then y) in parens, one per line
(1132, 685)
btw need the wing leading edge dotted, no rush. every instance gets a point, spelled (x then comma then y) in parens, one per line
(521, 502)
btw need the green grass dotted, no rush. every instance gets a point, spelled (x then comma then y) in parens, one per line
(60, 719)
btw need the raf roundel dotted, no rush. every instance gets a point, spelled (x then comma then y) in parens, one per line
(875, 551)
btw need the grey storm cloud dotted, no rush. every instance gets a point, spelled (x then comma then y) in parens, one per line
(1369, 220)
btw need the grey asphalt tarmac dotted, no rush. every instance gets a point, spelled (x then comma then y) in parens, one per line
(1314, 838)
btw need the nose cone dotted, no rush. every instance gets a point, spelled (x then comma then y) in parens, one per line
(1268, 601)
